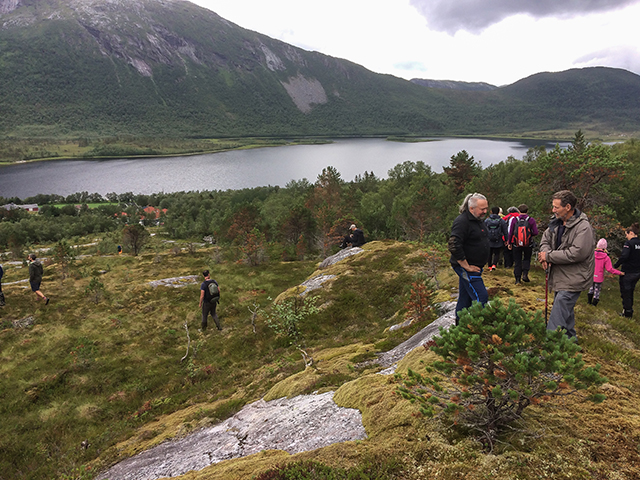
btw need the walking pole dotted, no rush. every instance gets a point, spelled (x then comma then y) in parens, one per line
(546, 294)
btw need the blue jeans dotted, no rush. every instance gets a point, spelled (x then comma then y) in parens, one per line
(562, 315)
(470, 289)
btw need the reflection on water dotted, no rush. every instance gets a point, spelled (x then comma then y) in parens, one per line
(245, 168)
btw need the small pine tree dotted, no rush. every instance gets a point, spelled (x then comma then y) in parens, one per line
(419, 304)
(95, 290)
(496, 362)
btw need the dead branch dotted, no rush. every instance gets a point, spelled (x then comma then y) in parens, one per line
(186, 327)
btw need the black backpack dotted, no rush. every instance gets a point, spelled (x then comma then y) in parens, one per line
(494, 229)
(522, 233)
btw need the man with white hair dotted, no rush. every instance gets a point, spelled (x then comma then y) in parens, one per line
(469, 247)
(357, 236)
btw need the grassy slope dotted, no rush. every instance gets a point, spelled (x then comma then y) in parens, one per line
(111, 372)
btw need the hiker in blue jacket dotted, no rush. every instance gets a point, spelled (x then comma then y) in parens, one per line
(469, 247)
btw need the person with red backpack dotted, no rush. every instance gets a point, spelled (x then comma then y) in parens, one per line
(521, 233)
(510, 217)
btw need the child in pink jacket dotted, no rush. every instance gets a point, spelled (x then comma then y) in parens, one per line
(603, 262)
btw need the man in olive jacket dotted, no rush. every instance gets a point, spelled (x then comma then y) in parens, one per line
(567, 251)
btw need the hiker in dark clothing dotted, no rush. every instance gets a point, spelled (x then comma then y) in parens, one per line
(35, 276)
(354, 239)
(1, 294)
(497, 234)
(630, 261)
(521, 233)
(469, 247)
(209, 299)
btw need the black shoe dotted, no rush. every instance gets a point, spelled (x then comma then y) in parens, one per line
(594, 302)
(517, 282)
(46, 302)
(590, 298)
(525, 277)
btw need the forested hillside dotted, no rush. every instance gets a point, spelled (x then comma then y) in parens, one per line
(144, 68)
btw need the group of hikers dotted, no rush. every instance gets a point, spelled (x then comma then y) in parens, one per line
(573, 261)
(568, 252)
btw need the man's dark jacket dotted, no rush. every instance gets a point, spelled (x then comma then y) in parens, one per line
(630, 257)
(357, 238)
(468, 240)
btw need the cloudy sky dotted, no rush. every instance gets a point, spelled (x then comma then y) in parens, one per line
(494, 41)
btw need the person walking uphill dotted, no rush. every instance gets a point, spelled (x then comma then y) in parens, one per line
(603, 262)
(469, 247)
(566, 250)
(630, 261)
(209, 299)
(35, 277)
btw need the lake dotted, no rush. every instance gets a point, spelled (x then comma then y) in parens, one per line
(246, 168)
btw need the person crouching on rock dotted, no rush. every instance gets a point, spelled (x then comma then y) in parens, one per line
(355, 238)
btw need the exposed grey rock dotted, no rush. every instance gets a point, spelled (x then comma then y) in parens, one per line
(341, 255)
(294, 425)
(387, 359)
(314, 283)
(175, 282)
(24, 322)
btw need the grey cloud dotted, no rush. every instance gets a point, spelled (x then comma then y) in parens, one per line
(625, 57)
(476, 15)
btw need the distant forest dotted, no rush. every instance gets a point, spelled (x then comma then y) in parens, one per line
(307, 220)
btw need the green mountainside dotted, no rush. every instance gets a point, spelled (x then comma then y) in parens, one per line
(173, 69)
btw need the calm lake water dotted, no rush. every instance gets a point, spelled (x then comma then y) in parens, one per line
(245, 168)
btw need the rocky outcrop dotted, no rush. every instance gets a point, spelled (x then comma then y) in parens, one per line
(7, 6)
(305, 92)
(294, 425)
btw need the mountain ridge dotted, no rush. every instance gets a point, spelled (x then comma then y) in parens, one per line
(169, 68)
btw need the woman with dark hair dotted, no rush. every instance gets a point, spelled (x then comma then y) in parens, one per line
(630, 262)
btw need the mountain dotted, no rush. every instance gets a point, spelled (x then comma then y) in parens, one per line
(168, 68)
(454, 85)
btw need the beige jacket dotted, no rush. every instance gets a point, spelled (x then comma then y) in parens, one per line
(573, 262)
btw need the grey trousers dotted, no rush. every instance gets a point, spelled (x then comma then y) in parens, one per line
(562, 314)
(210, 308)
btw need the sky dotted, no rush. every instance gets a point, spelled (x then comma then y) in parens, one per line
(492, 41)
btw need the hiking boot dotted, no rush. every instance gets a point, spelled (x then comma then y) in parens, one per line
(594, 302)
(46, 302)
(590, 298)
(517, 282)
(525, 277)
